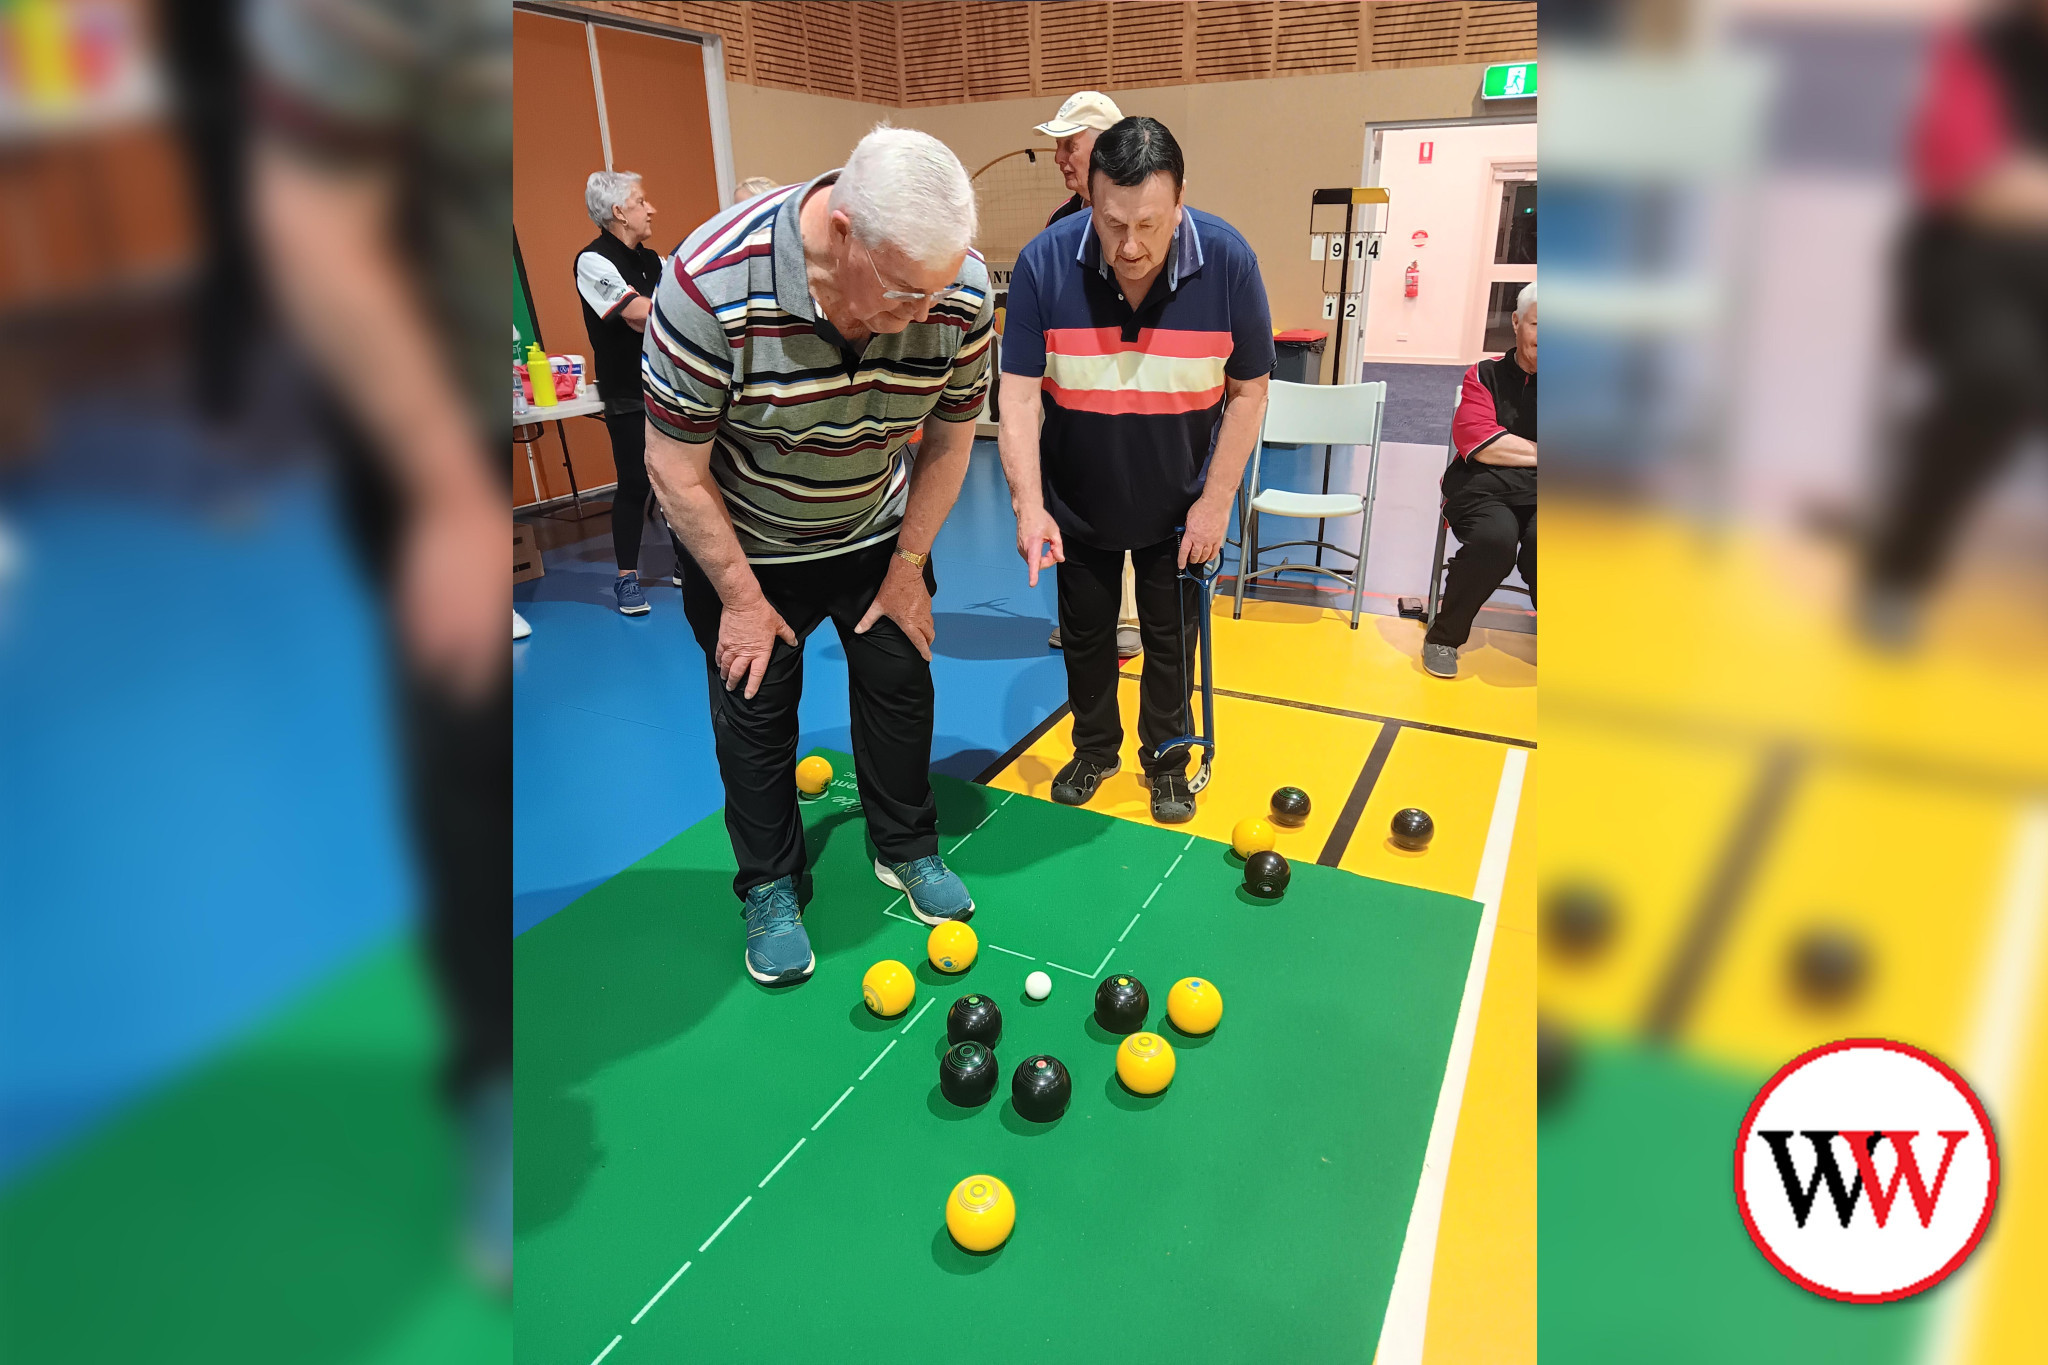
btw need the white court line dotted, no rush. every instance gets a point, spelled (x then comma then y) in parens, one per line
(1134, 919)
(878, 1059)
(1082, 975)
(1189, 844)
(1012, 952)
(2007, 991)
(826, 1115)
(1105, 958)
(893, 904)
(734, 1214)
(905, 918)
(1407, 1320)
(964, 838)
(1005, 801)
(790, 1153)
(1176, 863)
(657, 1297)
(1148, 903)
(608, 1350)
(986, 818)
(919, 1015)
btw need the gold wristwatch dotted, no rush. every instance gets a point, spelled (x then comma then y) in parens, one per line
(912, 557)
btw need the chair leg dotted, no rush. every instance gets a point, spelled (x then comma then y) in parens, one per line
(1247, 559)
(1358, 569)
(1436, 574)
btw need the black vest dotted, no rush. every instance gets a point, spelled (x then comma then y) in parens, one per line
(614, 345)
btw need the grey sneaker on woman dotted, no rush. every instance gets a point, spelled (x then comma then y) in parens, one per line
(1441, 661)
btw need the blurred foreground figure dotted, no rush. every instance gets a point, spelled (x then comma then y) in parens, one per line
(1974, 297)
(381, 187)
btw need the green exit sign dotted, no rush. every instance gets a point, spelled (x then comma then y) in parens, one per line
(1509, 81)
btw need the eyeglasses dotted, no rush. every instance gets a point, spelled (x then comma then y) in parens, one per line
(897, 295)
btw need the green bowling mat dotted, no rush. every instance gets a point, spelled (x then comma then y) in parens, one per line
(795, 1152)
(1644, 1255)
(292, 1199)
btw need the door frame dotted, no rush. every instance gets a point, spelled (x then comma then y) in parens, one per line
(1369, 176)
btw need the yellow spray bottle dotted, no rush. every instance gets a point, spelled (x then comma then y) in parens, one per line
(543, 377)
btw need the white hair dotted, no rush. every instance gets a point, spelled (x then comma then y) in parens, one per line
(907, 189)
(1525, 300)
(605, 191)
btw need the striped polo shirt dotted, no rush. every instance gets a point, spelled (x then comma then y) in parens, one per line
(808, 433)
(1133, 398)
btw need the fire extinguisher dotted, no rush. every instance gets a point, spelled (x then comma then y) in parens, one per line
(1414, 285)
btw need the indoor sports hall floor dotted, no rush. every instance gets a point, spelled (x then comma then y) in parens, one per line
(614, 757)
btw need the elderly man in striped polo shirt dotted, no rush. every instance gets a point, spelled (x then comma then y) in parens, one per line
(796, 342)
(1141, 331)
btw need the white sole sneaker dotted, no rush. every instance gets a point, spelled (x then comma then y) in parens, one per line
(809, 967)
(889, 879)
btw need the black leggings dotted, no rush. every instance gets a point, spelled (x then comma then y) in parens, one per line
(1090, 596)
(1492, 539)
(629, 502)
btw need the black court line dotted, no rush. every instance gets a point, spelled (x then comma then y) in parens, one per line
(1715, 913)
(1016, 751)
(1367, 715)
(1361, 792)
(1908, 767)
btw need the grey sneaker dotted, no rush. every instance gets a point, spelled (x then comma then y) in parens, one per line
(936, 894)
(1441, 661)
(487, 1182)
(778, 950)
(1173, 803)
(1053, 640)
(1076, 783)
(1127, 643)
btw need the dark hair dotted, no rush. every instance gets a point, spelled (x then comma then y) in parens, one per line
(1129, 151)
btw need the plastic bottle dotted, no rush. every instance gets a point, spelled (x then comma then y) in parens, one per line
(542, 375)
(518, 369)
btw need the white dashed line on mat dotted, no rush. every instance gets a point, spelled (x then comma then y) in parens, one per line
(827, 1114)
(608, 1350)
(743, 1204)
(792, 1151)
(657, 1297)
(1081, 974)
(920, 1013)
(878, 1059)
(1135, 918)
(1012, 952)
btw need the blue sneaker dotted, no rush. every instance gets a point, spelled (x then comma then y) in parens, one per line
(778, 950)
(487, 1181)
(632, 601)
(935, 894)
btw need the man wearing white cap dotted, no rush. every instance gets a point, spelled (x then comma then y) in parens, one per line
(1075, 127)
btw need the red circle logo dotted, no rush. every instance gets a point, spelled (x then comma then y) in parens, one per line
(1866, 1170)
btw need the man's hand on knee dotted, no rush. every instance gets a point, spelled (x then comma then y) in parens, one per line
(746, 641)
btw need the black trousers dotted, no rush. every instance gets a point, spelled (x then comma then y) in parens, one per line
(458, 769)
(629, 503)
(1091, 592)
(1493, 537)
(1976, 310)
(890, 692)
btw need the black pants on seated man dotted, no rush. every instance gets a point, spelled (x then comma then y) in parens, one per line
(890, 687)
(1495, 534)
(1090, 593)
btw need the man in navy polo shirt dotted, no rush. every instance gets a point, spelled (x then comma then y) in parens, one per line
(1141, 331)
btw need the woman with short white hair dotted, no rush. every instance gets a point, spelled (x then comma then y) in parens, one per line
(615, 277)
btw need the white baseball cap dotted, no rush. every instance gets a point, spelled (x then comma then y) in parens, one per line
(1088, 109)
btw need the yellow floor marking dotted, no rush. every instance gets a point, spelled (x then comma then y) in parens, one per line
(1482, 1304)
(1644, 820)
(1750, 631)
(1376, 668)
(1912, 869)
(1454, 780)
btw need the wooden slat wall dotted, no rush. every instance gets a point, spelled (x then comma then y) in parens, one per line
(911, 52)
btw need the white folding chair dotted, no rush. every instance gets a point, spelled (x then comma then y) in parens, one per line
(1313, 414)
